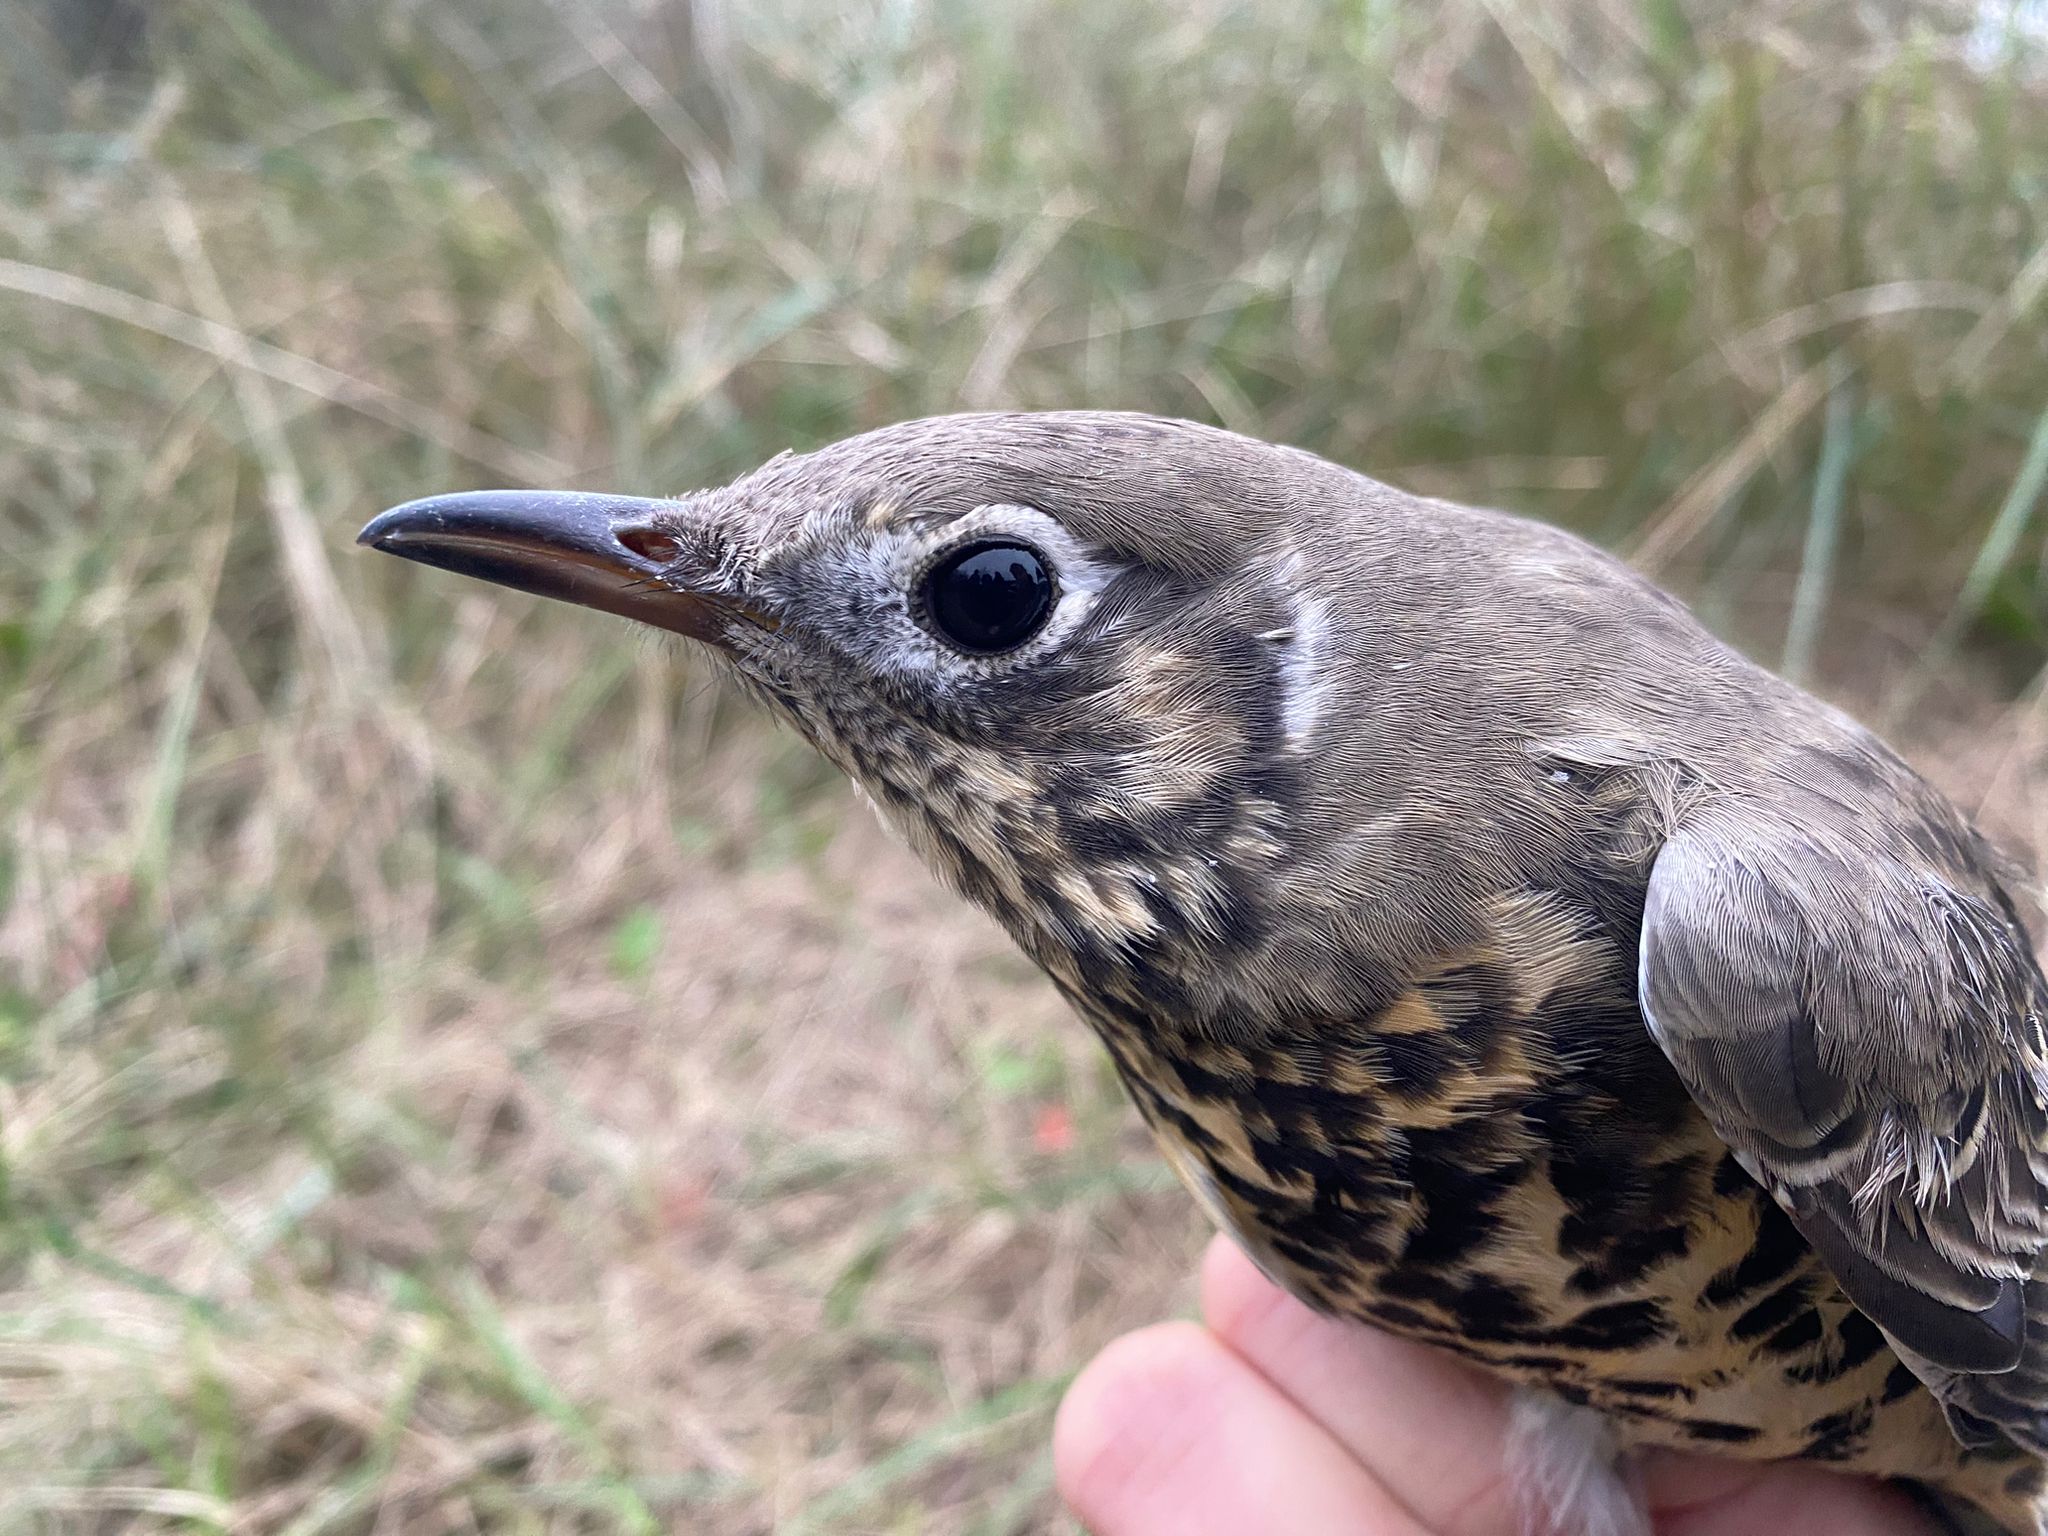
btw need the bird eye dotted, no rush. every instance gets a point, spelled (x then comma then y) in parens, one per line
(989, 597)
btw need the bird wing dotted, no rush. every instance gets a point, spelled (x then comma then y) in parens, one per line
(1867, 1035)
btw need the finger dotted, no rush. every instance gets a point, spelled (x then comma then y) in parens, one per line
(1697, 1496)
(1431, 1430)
(1167, 1433)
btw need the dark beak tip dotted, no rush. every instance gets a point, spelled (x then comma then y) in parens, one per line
(423, 516)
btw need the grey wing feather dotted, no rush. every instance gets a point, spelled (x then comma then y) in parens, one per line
(1867, 1035)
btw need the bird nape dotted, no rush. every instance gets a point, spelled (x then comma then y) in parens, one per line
(1500, 958)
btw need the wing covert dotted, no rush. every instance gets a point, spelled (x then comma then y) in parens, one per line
(1867, 1036)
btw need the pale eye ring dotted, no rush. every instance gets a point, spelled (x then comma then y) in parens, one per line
(987, 596)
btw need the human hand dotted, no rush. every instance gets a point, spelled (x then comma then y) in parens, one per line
(1269, 1417)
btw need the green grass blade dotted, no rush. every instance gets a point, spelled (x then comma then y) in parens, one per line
(1823, 528)
(1994, 554)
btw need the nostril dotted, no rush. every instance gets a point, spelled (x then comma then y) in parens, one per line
(650, 544)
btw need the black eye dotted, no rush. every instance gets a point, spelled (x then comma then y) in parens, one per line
(988, 597)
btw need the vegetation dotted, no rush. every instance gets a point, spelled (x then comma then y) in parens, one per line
(457, 1070)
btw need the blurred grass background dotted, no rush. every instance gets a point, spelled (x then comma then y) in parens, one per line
(458, 1071)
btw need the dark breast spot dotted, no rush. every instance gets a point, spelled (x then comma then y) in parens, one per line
(1402, 1318)
(1860, 1340)
(1801, 1333)
(1776, 1250)
(1899, 1382)
(1776, 1310)
(1623, 1259)
(1719, 1431)
(1459, 1174)
(1191, 1130)
(1838, 1436)
(1416, 1067)
(1488, 1308)
(1630, 1386)
(1616, 1325)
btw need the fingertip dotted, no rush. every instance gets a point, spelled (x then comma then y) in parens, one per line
(1126, 1414)
(1430, 1428)
(1168, 1430)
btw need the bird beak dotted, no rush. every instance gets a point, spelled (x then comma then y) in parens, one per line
(603, 552)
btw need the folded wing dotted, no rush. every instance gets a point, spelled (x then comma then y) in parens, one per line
(1867, 1034)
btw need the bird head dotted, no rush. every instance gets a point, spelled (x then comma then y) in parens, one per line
(1079, 660)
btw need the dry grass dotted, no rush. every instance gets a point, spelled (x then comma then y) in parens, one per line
(459, 1072)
